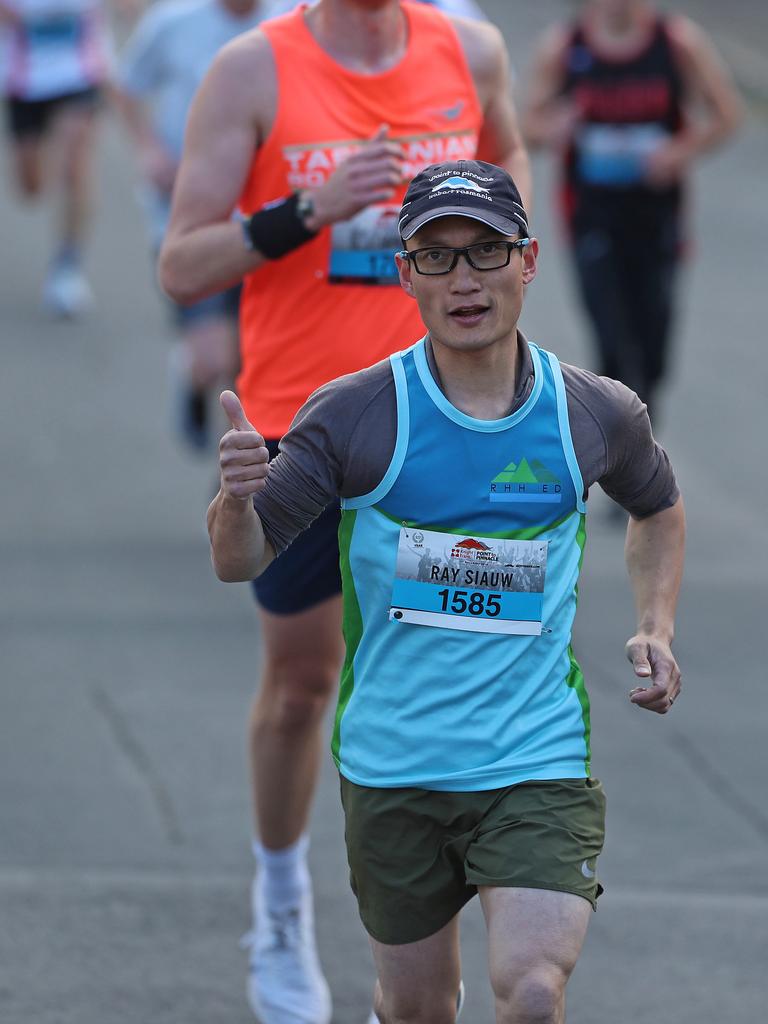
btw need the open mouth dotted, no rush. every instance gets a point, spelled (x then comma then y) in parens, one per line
(468, 316)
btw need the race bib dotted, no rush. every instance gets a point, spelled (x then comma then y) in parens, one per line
(363, 248)
(478, 584)
(52, 32)
(617, 154)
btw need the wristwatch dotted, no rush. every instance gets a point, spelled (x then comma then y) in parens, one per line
(305, 207)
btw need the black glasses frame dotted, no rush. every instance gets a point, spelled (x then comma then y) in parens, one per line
(519, 243)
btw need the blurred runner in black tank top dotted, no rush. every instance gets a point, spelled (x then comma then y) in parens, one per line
(630, 97)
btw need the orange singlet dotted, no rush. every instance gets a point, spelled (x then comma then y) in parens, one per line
(335, 305)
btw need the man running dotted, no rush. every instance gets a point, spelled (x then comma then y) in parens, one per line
(341, 103)
(632, 98)
(462, 732)
(57, 59)
(161, 68)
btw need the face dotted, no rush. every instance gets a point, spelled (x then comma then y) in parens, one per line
(468, 309)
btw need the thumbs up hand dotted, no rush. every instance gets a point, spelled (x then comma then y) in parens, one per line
(243, 457)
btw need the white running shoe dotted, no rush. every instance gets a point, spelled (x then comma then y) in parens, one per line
(66, 292)
(285, 981)
(373, 1019)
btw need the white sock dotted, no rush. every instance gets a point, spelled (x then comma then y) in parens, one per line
(283, 875)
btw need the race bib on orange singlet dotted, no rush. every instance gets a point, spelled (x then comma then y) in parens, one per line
(363, 248)
(478, 584)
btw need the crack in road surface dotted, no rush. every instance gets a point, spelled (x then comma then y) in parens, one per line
(141, 761)
(718, 783)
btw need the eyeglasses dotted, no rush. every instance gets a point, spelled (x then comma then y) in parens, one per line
(441, 259)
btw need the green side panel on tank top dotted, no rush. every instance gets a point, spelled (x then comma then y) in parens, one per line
(575, 676)
(352, 626)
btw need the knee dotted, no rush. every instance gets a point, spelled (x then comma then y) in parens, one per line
(534, 998)
(295, 694)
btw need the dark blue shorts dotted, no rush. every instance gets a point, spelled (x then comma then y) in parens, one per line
(219, 306)
(307, 572)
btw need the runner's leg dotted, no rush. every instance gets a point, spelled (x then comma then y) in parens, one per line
(212, 347)
(600, 284)
(601, 281)
(203, 366)
(418, 982)
(73, 138)
(652, 275)
(303, 655)
(534, 939)
(67, 292)
(27, 124)
(28, 151)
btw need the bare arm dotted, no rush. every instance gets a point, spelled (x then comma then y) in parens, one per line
(654, 554)
(239, 549)
(204, 250)
(713, 107)
(548, 116)
(132, 110)
(501, 141)
(157, 165)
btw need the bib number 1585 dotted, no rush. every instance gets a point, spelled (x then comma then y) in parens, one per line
(478, 602)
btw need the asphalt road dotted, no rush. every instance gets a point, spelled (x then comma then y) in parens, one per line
(127, 669)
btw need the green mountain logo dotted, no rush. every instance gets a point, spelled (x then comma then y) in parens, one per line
(526, 473)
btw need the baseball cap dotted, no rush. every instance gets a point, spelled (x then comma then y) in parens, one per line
(463, 188)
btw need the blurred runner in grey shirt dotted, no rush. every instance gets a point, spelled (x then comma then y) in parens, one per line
(161, 68)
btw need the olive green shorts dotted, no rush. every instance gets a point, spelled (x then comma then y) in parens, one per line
(416, 856)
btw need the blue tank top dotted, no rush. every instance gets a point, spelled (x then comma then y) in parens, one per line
(460, 582)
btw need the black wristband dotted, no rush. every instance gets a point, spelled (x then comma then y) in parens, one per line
(277, 230)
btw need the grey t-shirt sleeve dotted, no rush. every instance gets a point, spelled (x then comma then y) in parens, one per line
(339, 445)
(614, 443)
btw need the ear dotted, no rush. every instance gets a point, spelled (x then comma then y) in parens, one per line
(530, 255)
(405, 271)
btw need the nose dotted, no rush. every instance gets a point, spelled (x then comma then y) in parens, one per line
(464, 277)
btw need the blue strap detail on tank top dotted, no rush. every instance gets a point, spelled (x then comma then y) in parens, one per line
(401, 443)
(484, 426)
(565, 431)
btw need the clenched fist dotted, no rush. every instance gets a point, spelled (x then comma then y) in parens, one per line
(371, 175)
(243, 457)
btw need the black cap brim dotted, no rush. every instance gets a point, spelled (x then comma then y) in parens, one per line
(506, 225)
